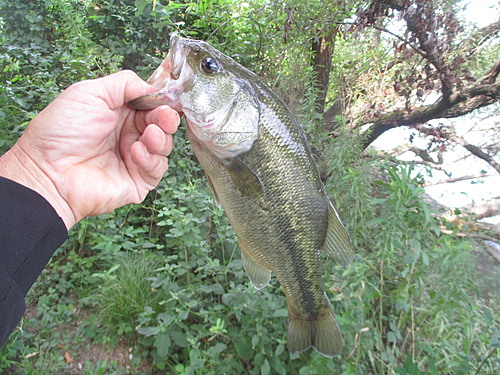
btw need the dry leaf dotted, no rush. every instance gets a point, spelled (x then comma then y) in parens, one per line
(67, 358)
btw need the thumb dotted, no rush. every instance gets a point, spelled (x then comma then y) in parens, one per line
(118, 88)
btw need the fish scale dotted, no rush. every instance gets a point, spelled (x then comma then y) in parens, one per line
(261, 171)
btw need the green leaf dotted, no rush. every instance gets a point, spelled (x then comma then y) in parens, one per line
(215, 350)
(425, 259)
(281, 312)
(410, 367)
(279, 350)
(244, 348)
(391, 336)
(149, 331)
(179, 338)
(375, 221)
(255, 340)
(265, 369)
(214, 288)
(488, 316)
(307, 370)
(495, 338)
(432, 364)
(415, 244)
(140, 5)
(166, 318)
(427, 213)
(162, 343)
(278, 366)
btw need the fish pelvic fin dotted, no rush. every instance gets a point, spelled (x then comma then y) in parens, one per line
(323, 334)
(258, 274)
(337, 244)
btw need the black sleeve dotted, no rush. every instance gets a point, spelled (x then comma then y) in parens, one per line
(30, 233)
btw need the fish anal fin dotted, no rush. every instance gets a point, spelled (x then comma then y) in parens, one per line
(258, 274)
(323, 334)
(337, 244)
(244, 178)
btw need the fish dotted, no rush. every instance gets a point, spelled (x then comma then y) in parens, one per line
(261, 170)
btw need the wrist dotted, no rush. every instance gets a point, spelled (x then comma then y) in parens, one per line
(18, 166)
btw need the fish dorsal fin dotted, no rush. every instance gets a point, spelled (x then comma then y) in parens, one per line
(258, 274)
(214, 193)
(244, 178)
(338, 244)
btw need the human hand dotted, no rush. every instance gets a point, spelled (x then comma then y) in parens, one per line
(88, 152)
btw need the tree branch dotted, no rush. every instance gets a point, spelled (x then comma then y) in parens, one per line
(463, 178)
(484, 209)
(492, 75)
(424, 154)
(461, 141)
(457, 105)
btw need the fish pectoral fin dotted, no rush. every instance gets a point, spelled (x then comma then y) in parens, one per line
(258, 274)
(244, 178)
(214, 193)
(338, 244)
(323, 334)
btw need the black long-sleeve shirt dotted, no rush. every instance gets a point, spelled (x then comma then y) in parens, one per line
(30, 233)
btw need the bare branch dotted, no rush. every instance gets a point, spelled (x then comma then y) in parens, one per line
(424, 154)
(461, 141)
(432, 165)
(416, 49)
(492, 75)
(458, 179)
(481, 36)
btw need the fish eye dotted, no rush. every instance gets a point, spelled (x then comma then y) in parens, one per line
(209, 65)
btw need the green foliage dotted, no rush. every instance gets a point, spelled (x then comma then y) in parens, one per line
(163, 280)
(412, 292)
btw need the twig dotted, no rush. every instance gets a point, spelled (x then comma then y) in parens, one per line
(484, 360)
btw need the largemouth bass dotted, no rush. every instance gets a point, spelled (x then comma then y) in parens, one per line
(261, 171)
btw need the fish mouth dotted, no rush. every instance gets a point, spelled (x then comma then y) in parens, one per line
(170, 69)
(169, 77)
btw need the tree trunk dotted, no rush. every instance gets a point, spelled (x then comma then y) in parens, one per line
(322, 63)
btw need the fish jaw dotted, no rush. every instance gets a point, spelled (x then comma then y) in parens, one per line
(172, 77)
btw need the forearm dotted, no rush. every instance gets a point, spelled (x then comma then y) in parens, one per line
(17, 165)
(30, 233)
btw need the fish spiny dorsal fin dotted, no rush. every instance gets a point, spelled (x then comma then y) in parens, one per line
(258, 274)
(338, 244)
(323, 334)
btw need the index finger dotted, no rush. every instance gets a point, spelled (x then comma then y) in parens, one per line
(163, 116)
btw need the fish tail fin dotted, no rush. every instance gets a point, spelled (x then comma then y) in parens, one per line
(323, 334)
